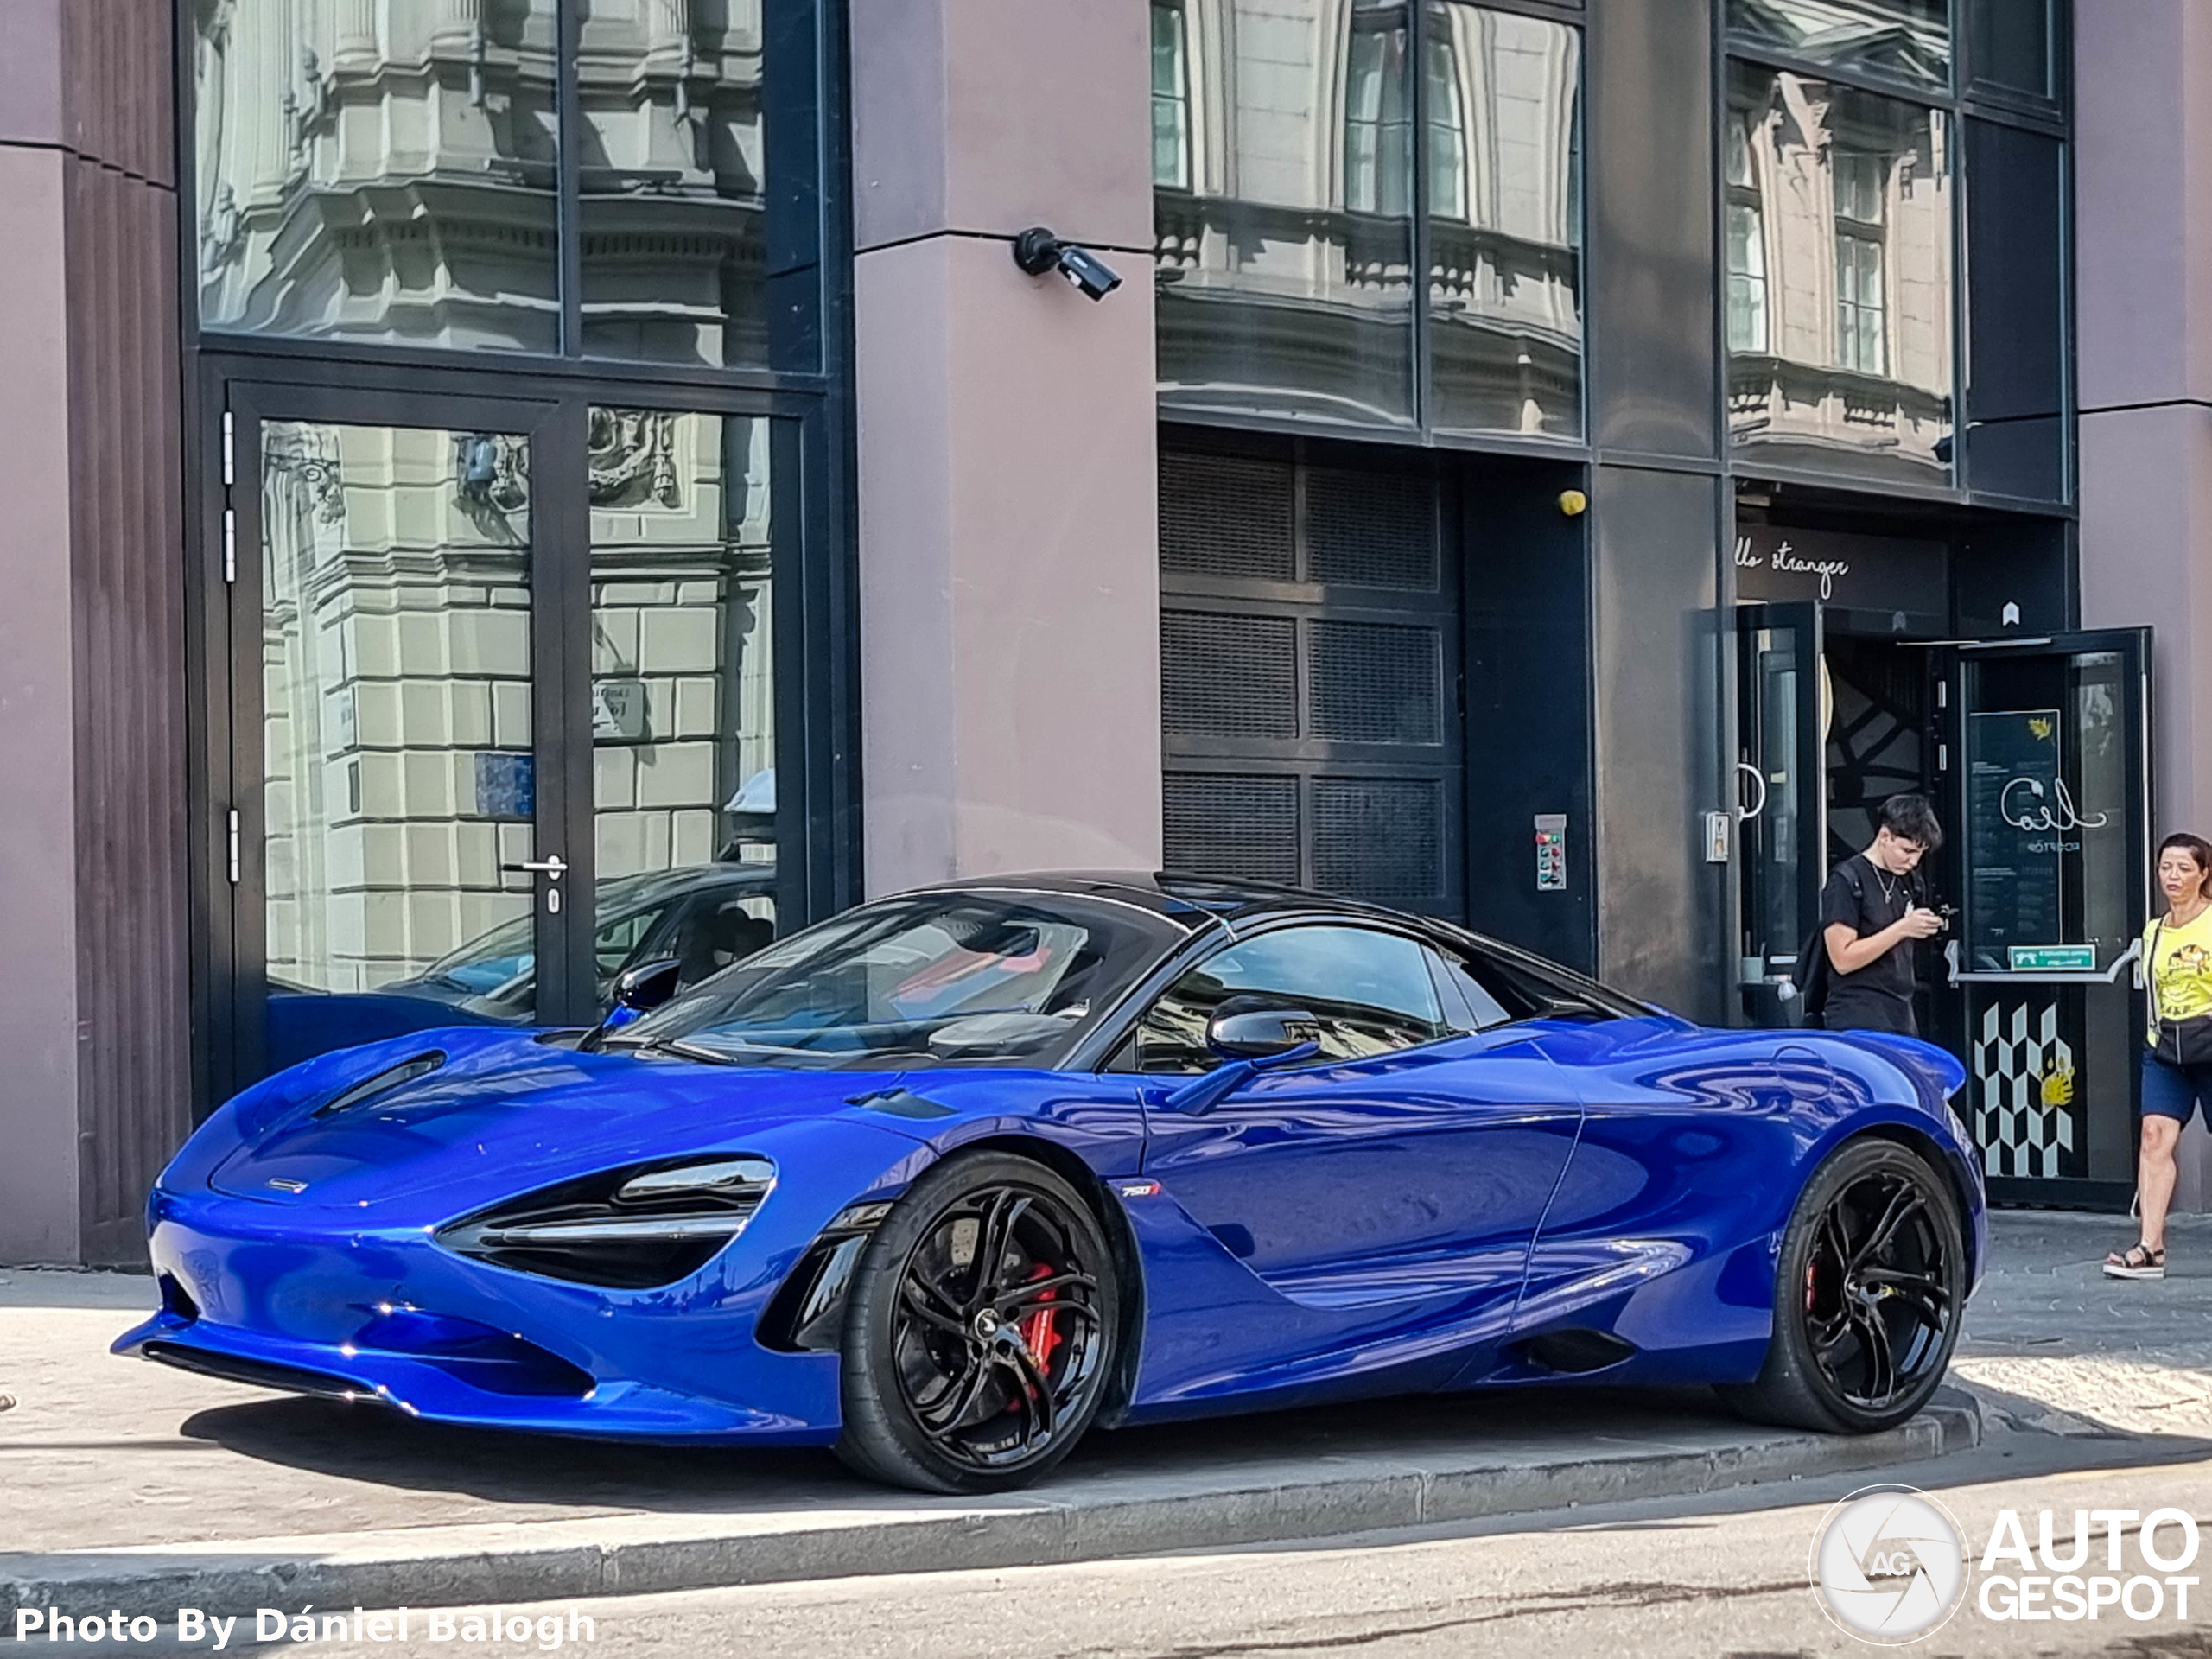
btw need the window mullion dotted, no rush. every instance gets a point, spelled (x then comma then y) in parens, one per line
(568, 124)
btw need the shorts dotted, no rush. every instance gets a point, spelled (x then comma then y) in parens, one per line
(2175, 1091)
(1854, 1010)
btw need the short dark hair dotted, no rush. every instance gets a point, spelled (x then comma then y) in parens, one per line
(2196, 846)
(1909, 817)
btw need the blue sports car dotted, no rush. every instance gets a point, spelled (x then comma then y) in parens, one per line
(948, 1180)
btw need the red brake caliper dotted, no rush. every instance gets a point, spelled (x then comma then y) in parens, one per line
(1037, 1332)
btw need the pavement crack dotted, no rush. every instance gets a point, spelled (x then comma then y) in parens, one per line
(1626, 1596)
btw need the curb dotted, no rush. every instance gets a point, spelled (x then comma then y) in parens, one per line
(633, 1554)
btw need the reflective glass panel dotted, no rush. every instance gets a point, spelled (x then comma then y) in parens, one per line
(379, 170)
(1505, 221)
(1283, 268)
(673, 177)
(1910, 39)
(1840, 271)
(683, 712)
(399, 783)
(2011, 45)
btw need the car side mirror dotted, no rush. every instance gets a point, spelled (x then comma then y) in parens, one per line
(1264, 1036)
(638, 991)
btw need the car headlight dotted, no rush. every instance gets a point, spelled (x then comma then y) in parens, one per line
(628, 1228)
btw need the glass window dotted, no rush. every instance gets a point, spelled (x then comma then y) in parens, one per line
(1840, 267)
(1746, 221)
(672, 176)
(974, 978)
(1501, 990)
(398, 783)
(2013, 45)
(1369, 992)
(1910, 39)
(683, 711)
(1284, 272)
(379, 172)
(1170, 97)
(1505, 191)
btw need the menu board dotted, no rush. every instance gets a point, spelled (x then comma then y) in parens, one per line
(2013, 858)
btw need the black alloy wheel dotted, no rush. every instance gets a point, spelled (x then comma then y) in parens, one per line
(1868, 1292)
(981, 1330)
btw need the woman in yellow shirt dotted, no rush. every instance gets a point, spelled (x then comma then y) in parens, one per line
(2177, 1065)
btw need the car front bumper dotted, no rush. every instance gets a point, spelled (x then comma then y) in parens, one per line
(291, 1300)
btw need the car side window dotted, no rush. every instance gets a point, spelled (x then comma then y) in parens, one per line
(1503, 991)
(1370, 992)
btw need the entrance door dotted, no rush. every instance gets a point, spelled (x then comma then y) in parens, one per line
(2046, 760)
(399, 847)
(1781, 801)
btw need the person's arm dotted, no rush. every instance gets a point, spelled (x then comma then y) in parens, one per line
(1849, 951)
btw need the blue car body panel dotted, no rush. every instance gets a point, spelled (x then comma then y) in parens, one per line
(1404, 1223)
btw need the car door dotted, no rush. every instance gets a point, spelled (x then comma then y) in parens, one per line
(1394, 1182)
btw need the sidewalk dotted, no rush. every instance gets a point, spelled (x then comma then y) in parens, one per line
(127, 1482)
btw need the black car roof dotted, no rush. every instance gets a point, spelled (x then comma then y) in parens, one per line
(1189, 900)
(1192, 901)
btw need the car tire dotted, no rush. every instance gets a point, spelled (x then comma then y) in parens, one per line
(961, 1375)
(1869, 1291)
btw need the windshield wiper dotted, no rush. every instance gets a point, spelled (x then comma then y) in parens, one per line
(682, 1050)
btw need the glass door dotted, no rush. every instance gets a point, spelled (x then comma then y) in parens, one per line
(397, 847)
(2046, 758)
(1781, 801)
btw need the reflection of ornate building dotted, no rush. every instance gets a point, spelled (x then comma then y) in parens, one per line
(1284, 162)
(386, 170)
(397, 631)
(1839, 242)
(683, 715)
(399, 585)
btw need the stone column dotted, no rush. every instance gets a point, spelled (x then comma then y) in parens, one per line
(2143, 260)
(94, 1018)
(1009, 560)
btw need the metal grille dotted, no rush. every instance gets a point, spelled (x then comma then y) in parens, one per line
(1225, 516)
(1234, 827)
(1374, 684)
(1371, 530)
(1379, 838)
(1229, 675)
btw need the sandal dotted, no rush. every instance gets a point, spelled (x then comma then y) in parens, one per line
(2140, 1261)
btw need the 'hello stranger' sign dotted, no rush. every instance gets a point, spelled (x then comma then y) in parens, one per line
(1870, 573)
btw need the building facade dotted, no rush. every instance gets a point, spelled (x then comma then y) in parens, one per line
(512, 489)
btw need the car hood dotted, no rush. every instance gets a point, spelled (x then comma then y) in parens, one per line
(503, 1113)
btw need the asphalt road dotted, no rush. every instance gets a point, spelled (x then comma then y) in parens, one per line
(1726, 1575)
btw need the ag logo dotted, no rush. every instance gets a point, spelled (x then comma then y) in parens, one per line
(1889, 1565)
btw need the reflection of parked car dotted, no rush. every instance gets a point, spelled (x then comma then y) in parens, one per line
(947, 1178)
(707, 917)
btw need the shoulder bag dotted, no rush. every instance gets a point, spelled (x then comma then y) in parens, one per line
(2178, 1042)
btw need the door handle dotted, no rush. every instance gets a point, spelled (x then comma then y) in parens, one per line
(554, 865)
(1745, 768)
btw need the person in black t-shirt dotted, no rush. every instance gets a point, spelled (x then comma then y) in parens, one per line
(1870, 919)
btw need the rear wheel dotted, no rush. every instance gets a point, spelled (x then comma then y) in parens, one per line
(981, 1330)
(1868, 1294)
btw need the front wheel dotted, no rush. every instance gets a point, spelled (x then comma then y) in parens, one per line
(981, 1330)
(1868, 1294)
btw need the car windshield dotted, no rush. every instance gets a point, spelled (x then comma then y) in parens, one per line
(964, 978)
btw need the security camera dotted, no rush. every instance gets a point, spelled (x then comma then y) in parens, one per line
(1037, 250)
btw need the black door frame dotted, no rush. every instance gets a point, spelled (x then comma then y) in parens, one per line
(560, 670)
(1952, 998)
(1804, 619)
(815, 635)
